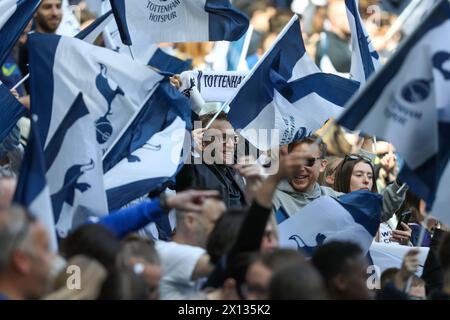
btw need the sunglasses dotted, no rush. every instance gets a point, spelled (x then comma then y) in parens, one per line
(309, 162)
(355, 157)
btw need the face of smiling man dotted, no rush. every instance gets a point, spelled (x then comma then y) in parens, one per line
(308, 174)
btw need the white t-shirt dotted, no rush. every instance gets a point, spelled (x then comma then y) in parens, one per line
(178, 262)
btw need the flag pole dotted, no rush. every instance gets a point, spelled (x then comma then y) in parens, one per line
(406, 13)
(20, 82)
(244, 51)
(280, 35)
(131, 52)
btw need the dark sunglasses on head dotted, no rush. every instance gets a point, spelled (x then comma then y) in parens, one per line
(357, 157)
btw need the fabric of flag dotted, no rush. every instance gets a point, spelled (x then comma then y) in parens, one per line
(365, 59)
(11, 110)
(14, 17)
(114, 87)
(408, 104)
(32, 190)
(69, 25)
(267, 98)
(150, 152)
(167, 63)
(178, 20)
(74, 175)
(353, 217)
(91, 32)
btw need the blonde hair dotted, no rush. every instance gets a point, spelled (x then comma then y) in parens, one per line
(92, 275)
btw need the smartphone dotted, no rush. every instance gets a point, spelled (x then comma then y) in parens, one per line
(404, 217)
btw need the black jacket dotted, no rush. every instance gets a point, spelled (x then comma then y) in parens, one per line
(213, 177)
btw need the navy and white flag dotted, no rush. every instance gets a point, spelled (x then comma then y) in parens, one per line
(74, 174)
(32, 190)
(167, 63)
(385, 256)
(266, 100)
(408, 104)
(91, 32)
(140, 50)
(212, 85)
(178, 20)
(353, 217)
(70, 25)
(11, 110)
(365, 59)
(14, 17)
(114, 87)
(149, 154)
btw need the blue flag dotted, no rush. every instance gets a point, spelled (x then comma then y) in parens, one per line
(168, 63)
(354, 217)
(32, 190)
(408, 103)
(286, 91)
(150, 152)
(365, 59)
(14, 17)
(178, 20)
(91, 32)
(11, 111)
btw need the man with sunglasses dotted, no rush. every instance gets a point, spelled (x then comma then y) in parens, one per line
(25, 256)
(299, 191)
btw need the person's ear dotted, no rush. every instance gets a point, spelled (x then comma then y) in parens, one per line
(20, 262)
(323, 165)
(330, 180)
(340, 283)
(229, 289)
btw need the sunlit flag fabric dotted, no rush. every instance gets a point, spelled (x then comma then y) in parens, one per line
(114, 87)
(352, 217)
(74, 175)
(70, 25)
(408, 103)
(286, 91)
(150, 152)
(178, 20)
(11, 110)
(365, 59)
(14, 16)
(32, 190)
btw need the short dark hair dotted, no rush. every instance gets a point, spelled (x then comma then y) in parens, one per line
(312, 139)
(224, 233)
(388, 276)
(297, 282)
(282, 258)
(331, 259)
(139, 248)
(206, 118)
(92, 240)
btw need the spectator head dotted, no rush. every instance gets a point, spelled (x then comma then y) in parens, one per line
(219, 141)
(330, 171)
(94, 241)
(417, 290)
(387, 276)
(314, 151)
(260, 272)
(354, 173)
(48, 16)
(25, 256)
(224, 234)
(344, 270)
(91, 276)
(297, 283)
(139, 255)
(269, 241)
(337, 16)
(123, 285)
(259, 12)
(194, 228)
(279, 20)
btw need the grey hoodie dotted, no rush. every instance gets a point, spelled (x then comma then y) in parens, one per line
(292, 201)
